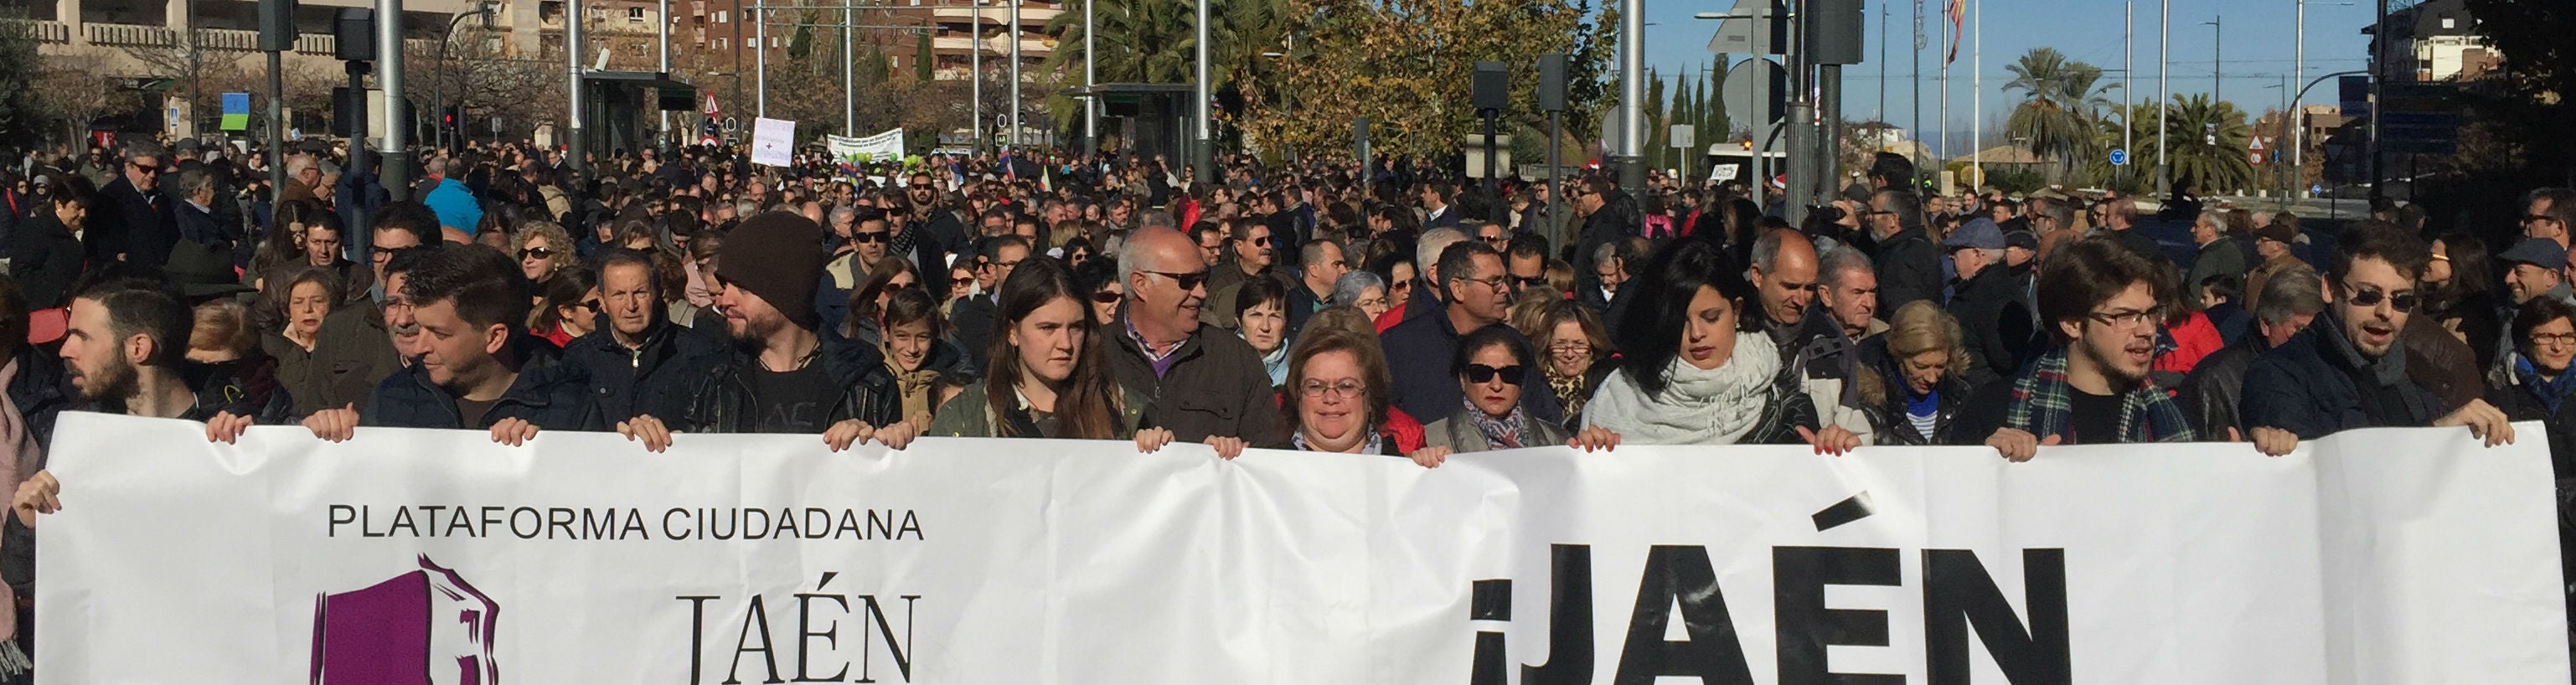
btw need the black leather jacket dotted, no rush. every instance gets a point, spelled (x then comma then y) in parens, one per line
(724, 401)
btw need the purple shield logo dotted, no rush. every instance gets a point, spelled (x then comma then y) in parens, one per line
(424, 627)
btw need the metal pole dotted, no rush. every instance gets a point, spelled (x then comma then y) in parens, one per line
(2128, 92)
(849, 95)
(2378, 76)
(662, 14)
(1882, 63)
(1090, 79)
(1555, 187)
(572, 87)
(1761, 124)
(760, 58)
(276, 129)
(1801, 164)
(2299, 118)
(1015, 74)
(1977, 91)
(975, 63)
(1916, 154)
(1632, 94)
(392, 173)
(2218, 58)
(1202, 154)
(1829, 148)
(2164, 64)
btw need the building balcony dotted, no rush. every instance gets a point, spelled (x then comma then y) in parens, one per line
(46, 31)
(1033, 47)
(228, 39)
(130, 35)
(1029, 16)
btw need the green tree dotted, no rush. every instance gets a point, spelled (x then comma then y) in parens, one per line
(21, 116)
(2061, 100)
(1407, 66)
(2208, 145)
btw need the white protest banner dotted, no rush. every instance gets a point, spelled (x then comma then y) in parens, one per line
(773, 142)
(407, 556)
(887, 145)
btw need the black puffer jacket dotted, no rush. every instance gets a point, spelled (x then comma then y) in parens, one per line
(723, 400)
(1881, 388)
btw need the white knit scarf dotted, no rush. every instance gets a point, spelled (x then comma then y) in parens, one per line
(1713, 407)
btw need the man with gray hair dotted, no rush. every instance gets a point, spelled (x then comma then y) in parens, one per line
(2212, 391)
(1204, 387)
(195, 213)
(1426, 268)
(1847, 286)
(131, 220)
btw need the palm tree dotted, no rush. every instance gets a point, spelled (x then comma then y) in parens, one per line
(2208, 140)
(1155, 41)
(2061, 104)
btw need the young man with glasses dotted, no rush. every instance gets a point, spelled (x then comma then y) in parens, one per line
(1478, 294)
(1204, 387)
(2347, 370)
(2102, 302)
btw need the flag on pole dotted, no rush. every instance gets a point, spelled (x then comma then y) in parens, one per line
(1957, 11)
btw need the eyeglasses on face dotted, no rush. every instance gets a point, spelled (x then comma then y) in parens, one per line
(865, 237)
(1345, 388)
(537, 253)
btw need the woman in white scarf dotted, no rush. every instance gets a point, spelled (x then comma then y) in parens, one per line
(1688, 377)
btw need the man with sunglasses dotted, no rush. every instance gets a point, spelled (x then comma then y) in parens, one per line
(2347, 370)
(868, 239)
(1253, 254)
(1205, 387)
(1525, 259)
(131, 221)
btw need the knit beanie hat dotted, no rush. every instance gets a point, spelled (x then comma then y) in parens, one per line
(777, 256)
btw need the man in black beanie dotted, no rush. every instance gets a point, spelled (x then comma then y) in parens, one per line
(782, 375)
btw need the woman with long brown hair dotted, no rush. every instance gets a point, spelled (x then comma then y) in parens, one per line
(1048, 377)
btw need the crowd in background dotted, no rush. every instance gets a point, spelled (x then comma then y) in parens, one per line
(659, 295)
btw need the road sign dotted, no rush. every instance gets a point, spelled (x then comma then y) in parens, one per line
(1738, 93)
(2254, 144)
(2316, 189)
(2119, 157)
(1754, 27)
(1681, 135)
(711, 109)
(2257, 157)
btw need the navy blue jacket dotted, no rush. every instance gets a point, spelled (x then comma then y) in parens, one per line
(552, 396)
(2316, 384)
(654, 379)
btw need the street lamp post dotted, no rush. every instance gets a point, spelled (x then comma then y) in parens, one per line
(2217, 57)
(2164, 94)
(1014, 35)
(437, 96)
(1632, 94)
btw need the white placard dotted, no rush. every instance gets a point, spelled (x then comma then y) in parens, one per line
(882, 146)
(773, 142)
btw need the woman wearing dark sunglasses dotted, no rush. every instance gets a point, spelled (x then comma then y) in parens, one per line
(1489, 366)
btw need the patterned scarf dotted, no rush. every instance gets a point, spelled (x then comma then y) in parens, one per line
(1570, 392)
(2550, 392)
(1501, 434)
(1376, 443)
(2042, 406)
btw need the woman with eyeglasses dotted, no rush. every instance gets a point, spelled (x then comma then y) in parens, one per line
(1339, 396)
(1696, 371)
(1365, 290)
(544, 248)
(2536, 384)
(1489, 366)
(1048, 377)
(1578, 354)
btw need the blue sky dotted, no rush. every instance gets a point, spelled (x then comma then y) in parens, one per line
(2257, 49)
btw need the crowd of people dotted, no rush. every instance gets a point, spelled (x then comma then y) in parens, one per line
(661, 295)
